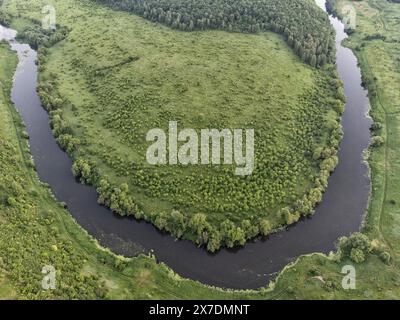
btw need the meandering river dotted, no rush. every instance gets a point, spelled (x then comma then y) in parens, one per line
(340, 213)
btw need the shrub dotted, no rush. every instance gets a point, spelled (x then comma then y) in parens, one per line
(265, 227)
(357, 255)
(385, 257)
(377, 141)
(214, 243)
(83, 171)
(355, 247)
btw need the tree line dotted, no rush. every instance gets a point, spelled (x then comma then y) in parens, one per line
(305, 27)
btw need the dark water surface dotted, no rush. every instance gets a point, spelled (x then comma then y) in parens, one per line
(340, 213)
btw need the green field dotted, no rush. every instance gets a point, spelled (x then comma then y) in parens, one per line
(117, 76)
(43, 233)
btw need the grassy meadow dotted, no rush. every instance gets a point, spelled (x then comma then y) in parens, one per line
(116, 76)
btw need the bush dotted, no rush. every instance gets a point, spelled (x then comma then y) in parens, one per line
(5, 18)
(377, 141)
(385, 257)
(317, 153)
(265, 227)
(68, 143)
(83, 171)
(214, 243)
(199, 226)
(176, 223)
(250, 230)
(11, 201)
(376, 126)
(356, 247)
(357, 255)
(232, 235)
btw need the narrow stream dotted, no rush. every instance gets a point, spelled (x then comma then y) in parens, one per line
(340, 213)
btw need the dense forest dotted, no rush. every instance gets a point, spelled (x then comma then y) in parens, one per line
(305, 27)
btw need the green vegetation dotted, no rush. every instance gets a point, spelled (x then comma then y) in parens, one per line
(34, 225)
(375, 41)
(305, 28)
(27, 214)
(37, 37)
(105, 88)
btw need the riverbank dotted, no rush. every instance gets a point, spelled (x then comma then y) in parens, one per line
(30, 219)
(375, 42)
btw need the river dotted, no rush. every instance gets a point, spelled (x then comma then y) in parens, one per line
(340, 213)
